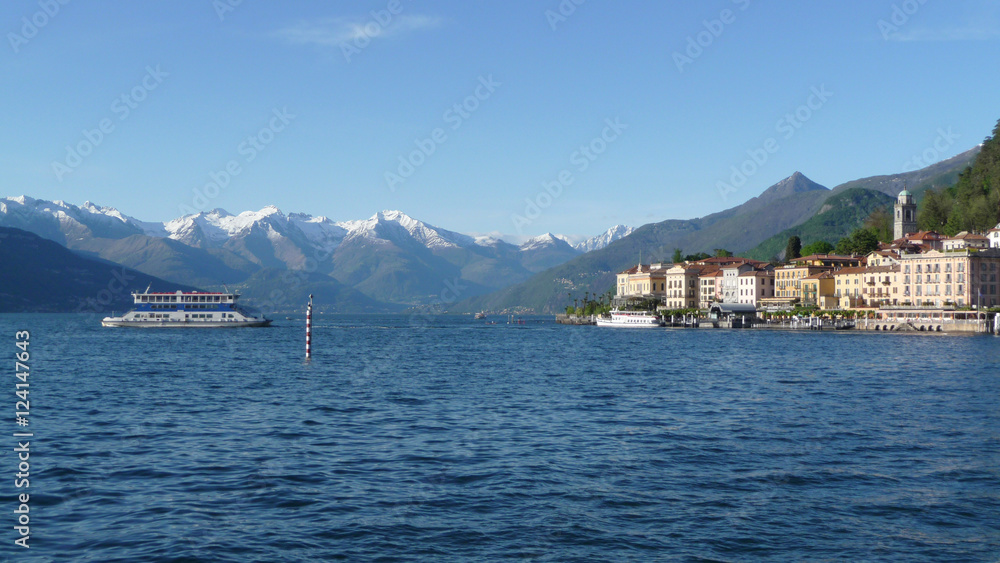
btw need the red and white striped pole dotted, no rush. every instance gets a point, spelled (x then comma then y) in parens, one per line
(309, 318)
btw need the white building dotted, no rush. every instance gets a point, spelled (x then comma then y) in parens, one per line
(994, 235)
(731, 281)
(964, 240)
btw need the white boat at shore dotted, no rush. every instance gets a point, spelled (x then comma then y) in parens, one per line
(186, 310)
(634, 319)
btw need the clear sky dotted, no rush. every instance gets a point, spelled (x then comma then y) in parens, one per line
(313, 106)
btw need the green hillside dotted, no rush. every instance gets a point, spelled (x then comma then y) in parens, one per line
(839, 216)
(42, 276)
(972, 203)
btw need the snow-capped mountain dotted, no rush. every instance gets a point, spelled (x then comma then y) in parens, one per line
(542, 241)
(389, 256)
(604, 239)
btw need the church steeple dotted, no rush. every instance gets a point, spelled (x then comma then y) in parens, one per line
(906, 215)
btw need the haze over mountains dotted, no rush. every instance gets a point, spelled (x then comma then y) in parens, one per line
(379, 263)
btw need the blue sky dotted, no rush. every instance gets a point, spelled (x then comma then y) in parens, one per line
(595, 112)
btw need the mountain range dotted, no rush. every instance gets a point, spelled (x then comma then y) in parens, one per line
(391, 261)
(376, 264)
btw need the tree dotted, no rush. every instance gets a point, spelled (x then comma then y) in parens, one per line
(722, 253)
(794, 248)
(861, 241)
(932, 215)
(880, 222)
(677, 256)
(818, 247)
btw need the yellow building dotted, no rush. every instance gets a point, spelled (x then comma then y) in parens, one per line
(788, 279)
(881, 284)
(683, 290)
(820, 289)
(642, 281)
(849, 287)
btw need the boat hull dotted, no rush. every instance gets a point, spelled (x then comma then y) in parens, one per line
(113, 322)
(621, 324)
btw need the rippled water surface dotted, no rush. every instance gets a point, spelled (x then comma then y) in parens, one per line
(457, 440)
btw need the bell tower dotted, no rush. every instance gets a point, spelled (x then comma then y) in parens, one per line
(906, 215)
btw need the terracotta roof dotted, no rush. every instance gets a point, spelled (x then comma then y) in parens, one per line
(830, 257)
(819, 276)
(757, 272)
(728, 260)
(965, 235)
(850, 271)
(924, 235)
(712, 274)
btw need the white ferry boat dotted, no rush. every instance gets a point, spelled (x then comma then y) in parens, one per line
(188, 310)
(630, 319)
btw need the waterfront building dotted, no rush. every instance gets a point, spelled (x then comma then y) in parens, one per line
(963, 278)
(710, 291)
(788, 279)
(642, 282)
(906, 215)
(755, 285)
(994, 235)
(819, 290)
(881, 285)
(682, 286)
(730, 281)
(849, 287)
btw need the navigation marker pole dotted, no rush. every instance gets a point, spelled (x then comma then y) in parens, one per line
(309, 317)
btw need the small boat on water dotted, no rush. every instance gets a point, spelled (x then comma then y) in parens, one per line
(186, 310)
(635, 319)
(481, 315)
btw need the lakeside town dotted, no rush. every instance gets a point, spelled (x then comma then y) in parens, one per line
(921, 281)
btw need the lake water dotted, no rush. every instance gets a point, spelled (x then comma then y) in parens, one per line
(450, 439)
